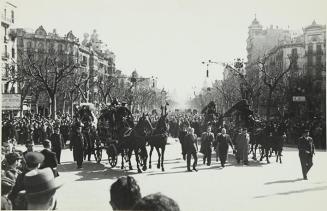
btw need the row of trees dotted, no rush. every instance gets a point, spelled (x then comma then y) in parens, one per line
(265, 85)
(62, 79)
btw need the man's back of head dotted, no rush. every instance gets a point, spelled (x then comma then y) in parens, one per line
(124, 193)
(158, 202)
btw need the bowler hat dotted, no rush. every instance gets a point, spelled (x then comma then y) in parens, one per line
(34, 158)
(40, 181)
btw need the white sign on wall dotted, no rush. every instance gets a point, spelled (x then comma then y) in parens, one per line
(10, 101)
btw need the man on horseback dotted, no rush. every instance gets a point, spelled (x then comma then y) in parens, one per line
(210, 112)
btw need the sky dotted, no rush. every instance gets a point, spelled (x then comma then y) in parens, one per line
(169, 39)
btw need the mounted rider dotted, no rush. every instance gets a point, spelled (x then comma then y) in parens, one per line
(210, 112)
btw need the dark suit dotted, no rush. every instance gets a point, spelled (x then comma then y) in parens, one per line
(190, 150)
(222, 147)
(50, 160)
(306, 151)
(56, 143)
(206, 145)
(77, 145)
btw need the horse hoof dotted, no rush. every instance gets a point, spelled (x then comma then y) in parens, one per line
(130, 168)
(162, 169)
(139, 171)
(122, 167)
(158, 166)
(150, 166)
(144, 168)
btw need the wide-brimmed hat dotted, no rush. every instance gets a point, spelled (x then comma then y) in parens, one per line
(34, 158)
(40, 181)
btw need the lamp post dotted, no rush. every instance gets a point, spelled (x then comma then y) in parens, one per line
(163, 96)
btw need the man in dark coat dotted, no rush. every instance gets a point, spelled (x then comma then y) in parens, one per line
(190, 148)
(77, 144)
(206, 145)
(306, 151)
(50, 159)
(222, 146)
(57, 143)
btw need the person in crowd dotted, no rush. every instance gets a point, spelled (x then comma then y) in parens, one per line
(242, 143)
(190, 149)
(77, 144)
(40, 189)
(6, 187)
(50, 159)
(33, 161)
(12, 161)
(57, 143)
(124, 193)
(306, 151)
(223, 145)
(206, 145)
(158, 202)
(29, 147)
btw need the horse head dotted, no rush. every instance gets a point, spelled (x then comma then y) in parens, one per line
(144, 124)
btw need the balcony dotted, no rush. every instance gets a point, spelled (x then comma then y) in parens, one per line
(6, 20)
(4, 56)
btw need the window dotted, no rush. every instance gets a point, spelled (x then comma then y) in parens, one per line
(310, 48)
(6, 87)
(319, 49)
(7, 70)
(13, 52)
(12, 16)
(310, 60)
(318, 60)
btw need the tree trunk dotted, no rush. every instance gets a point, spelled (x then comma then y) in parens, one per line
(269, 103)
(53, 106)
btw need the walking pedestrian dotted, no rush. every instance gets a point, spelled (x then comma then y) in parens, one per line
(190, 149)
(223, 145)
(242, 146)
(77, 144)
(206, 145)
(57, 143)
(306, 152)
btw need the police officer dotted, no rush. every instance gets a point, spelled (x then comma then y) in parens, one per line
(306, 151)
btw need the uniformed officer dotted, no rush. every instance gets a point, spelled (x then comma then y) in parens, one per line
(77, 144)
(306, 151)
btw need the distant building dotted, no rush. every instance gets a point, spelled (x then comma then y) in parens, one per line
(8, 47)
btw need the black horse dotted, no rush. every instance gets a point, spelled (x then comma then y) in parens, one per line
(134, 140)
(158, 139)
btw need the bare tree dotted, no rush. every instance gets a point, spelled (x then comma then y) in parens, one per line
(47, 69)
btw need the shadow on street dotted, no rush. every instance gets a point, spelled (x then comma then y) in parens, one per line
(284, 181)
(293, 192)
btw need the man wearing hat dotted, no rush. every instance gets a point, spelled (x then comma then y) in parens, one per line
(57, 142)
(190, 149)
(33, 161)
(206, 145)
(306, 151)
(40, 189)
(77, 144)
(50, 159)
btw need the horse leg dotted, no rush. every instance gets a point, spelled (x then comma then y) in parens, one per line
(267, 155)
(162, 158)
(130, 151)
(159, 157)
(151, 149)
(122, 159)
(137, 160)
(145, 157)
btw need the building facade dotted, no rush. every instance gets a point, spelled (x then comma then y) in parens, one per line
(8, 47)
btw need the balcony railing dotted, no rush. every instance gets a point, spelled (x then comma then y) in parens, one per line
(6, 19)
(5, 56)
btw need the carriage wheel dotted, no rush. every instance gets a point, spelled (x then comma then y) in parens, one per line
(99, 154)
(112, 155)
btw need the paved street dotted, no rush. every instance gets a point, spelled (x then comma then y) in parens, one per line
(259, 186)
